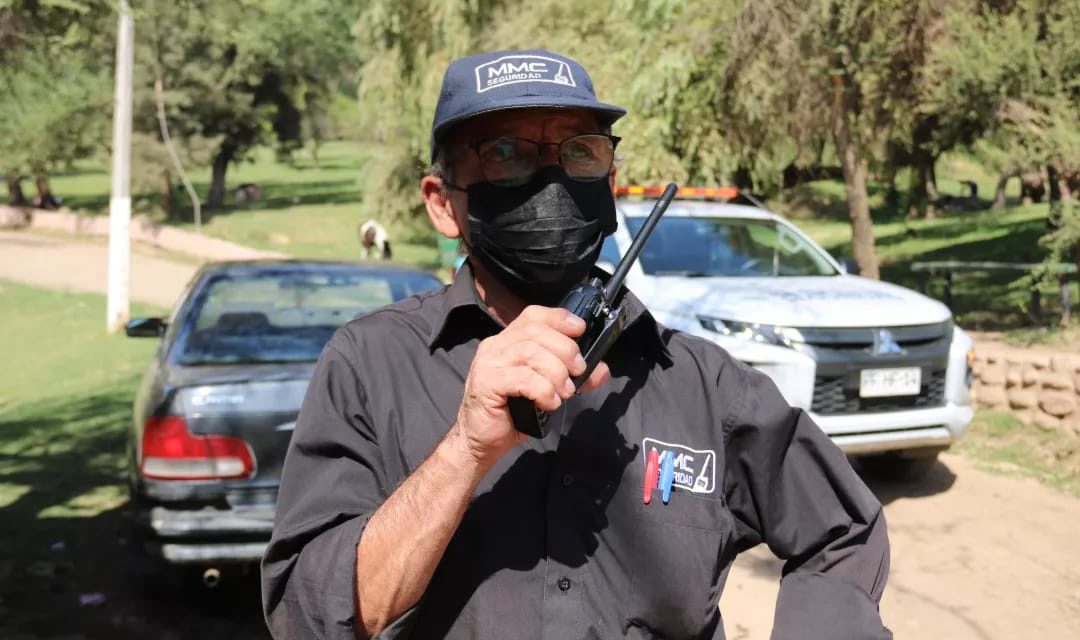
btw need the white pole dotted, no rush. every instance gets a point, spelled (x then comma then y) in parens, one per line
(119, 310)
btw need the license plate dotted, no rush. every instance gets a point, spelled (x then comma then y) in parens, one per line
(882, 383)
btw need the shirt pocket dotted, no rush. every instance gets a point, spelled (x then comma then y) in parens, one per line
(677, 564)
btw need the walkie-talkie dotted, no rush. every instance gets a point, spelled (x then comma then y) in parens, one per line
(600, 306)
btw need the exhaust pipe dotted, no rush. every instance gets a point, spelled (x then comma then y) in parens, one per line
(211, 577)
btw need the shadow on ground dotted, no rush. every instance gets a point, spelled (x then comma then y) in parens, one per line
(65, 570)
(939, 479)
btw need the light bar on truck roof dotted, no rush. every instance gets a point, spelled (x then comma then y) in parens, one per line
(703, 193)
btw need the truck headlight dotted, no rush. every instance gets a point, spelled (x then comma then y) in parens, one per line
(752, 331)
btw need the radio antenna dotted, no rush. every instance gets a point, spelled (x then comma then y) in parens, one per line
(615, 283)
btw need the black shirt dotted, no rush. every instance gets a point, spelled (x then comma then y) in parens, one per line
(558, 542)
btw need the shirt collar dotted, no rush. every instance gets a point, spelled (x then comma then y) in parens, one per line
(461, 297)
(462, 302)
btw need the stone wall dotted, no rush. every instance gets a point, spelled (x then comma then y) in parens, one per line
(1040, 388)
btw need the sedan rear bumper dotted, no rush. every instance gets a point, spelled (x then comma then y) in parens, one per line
(201, 523)
(211, 553)
(207, 535)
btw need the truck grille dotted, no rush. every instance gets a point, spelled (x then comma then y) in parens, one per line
(832, 398)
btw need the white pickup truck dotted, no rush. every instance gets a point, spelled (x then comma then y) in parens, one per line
(881, 369)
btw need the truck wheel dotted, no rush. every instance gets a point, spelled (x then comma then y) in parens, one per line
(900, 466)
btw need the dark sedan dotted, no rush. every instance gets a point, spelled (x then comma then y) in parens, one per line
(216, 409)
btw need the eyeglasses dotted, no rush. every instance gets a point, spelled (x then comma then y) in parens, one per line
(511, 162)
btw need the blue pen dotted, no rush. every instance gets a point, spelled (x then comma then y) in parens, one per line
(667, 474)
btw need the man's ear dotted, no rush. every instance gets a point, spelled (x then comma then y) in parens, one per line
(437, 202)
(611, 178)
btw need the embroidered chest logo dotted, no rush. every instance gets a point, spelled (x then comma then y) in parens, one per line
(514, 69)
(694, 469)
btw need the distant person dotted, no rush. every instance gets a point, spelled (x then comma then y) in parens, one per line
(247, 192)
(411, 507)
(375, 241)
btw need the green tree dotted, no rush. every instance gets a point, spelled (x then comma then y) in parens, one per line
(52, 93)
(825, 67)
(403, 47)
(1005, 84)
(240, 73)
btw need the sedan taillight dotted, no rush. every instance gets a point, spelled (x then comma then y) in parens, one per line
(171, 452)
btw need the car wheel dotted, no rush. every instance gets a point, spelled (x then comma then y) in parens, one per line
(901, 466)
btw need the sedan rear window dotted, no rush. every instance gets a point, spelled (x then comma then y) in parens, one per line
(731, 247)
(284, 316)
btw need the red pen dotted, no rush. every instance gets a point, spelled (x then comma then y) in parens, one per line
(652, 474)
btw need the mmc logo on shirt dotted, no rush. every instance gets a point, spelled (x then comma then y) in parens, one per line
(695, 469)
(513, 69)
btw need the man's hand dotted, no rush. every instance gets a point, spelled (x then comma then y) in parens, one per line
(534, 357)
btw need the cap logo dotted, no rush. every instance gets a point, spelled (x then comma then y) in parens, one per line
(515, 69)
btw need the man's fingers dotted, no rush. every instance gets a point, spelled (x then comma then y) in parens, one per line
(525, 382)
(598, 378)
(559, 319)
(547, 364)
(514, 343)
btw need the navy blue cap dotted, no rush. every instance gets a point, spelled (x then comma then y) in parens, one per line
(513, 80)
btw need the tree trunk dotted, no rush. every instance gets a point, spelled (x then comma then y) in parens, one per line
(862, 227)
(917, 200)
(1054, 215)
(743, 179)
(922, 184)
(168, 200)
(45, 198)
(1032, 187)
(892, 194)
(216, 198)
(16, 197)
(855, 170)
(999, 193)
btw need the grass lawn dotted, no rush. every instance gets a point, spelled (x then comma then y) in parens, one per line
(302, 210)
(1000, 443)
(66, 406)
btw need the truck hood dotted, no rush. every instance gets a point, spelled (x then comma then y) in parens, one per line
(819, 301)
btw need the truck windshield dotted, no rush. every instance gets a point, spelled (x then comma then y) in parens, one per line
(284, 316)
(731, 247)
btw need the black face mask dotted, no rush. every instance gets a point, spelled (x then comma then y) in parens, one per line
(541, 238)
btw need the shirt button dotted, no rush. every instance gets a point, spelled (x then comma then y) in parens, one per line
(564, 584)
(567, 479)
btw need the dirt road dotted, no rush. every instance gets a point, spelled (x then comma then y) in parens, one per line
(82, 265)
(975, 556)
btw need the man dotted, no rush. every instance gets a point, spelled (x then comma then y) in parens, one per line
(410, 507)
